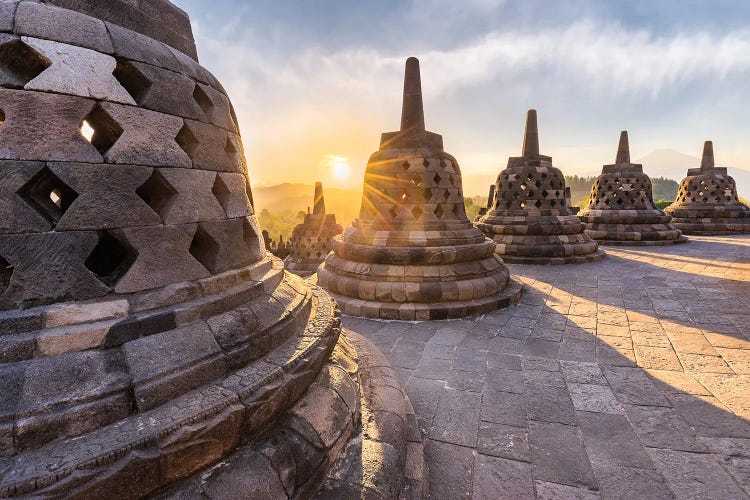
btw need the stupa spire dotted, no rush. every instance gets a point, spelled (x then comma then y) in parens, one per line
(319, 203)
(412, 113)
(531, 136)
(623, 149)
(708, 155)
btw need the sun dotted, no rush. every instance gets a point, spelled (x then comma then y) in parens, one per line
(340, 167)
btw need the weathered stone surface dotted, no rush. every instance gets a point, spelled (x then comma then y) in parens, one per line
(163, 257)
(7, 15)
(160, 89)
(192, 199)
(77, 71)
(134, 46)
(31, 284)
(215, 148)
(104, 191)
(218, 110)
(53, 23)
(147, 137)
(59, 117)
(16, 215)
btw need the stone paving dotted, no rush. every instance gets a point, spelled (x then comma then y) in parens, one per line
(625, 378)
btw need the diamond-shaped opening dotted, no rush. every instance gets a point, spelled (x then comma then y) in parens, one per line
(222, 192)
(132, 80)
(205, 102)
(19, 64)
(446, 194)
(6, 273)
(249, 235)
(426, 163)
(100, 129)
(157, 192)
(524, 186)
(2, 116)
(457, 210)
(394, 211)
(523, 204)
(404, 198)
(229, 147)
(437, 178)
(406, 165)
(545, 193)
(443, 164)
(187, 140)
(427, 194)
(439, 211)
(111, 258)
(417, 180)
(49, 195)
(417, 212)
(538, 203)
(205, 249)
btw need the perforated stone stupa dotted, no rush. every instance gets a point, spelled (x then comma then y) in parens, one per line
(621, 208)
(311, 240)
(413, 254)
(145, 334)
(707, 201)
(530, 220)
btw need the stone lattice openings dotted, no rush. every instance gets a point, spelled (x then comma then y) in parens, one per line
(530, 218)
(146, 334)
(707, 201)
(311, 240)
(413, 253)
(621, 208)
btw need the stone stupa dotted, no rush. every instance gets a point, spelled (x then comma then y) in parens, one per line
(413, 254)
(148, 340)
(621, 209)
(531, 220)
(311, 240)
(707, 201)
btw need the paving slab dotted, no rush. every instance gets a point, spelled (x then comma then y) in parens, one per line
(625, 378)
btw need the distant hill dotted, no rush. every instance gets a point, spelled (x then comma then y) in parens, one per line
(285, 198)
(673, 164)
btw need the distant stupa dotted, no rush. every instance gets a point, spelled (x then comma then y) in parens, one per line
(413, 254)
(621, 209)
(530, 219)
(311, 240)
(707, 201)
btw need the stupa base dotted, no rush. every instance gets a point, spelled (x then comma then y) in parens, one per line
(643, 243)
(331, 442)
(703, 227)
(550, 261)
(428, 312)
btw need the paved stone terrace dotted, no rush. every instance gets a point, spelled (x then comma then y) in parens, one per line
(626, 378)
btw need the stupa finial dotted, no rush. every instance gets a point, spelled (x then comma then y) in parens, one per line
(319, 203)
(531, 137)
(708, 155)
(623, 150)
(412, 113)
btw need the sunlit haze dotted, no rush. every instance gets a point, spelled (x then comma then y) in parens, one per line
(314, 83)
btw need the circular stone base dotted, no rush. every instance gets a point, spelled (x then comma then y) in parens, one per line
(642, 243)
(428, 312)
(713, 229)
(549, 261)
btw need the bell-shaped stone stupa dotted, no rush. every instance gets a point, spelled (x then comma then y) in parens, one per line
(146, 334)
(530, 219)
(621, 208)
(413, 254)
(707, 201)
(311, 240)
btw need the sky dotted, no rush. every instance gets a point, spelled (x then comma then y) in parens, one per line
(315, 82)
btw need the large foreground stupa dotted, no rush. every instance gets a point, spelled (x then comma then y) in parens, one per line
(530, 219)
(413, 254)
(311, 240)
(707, 201)
(148, 341)
(621, 209)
